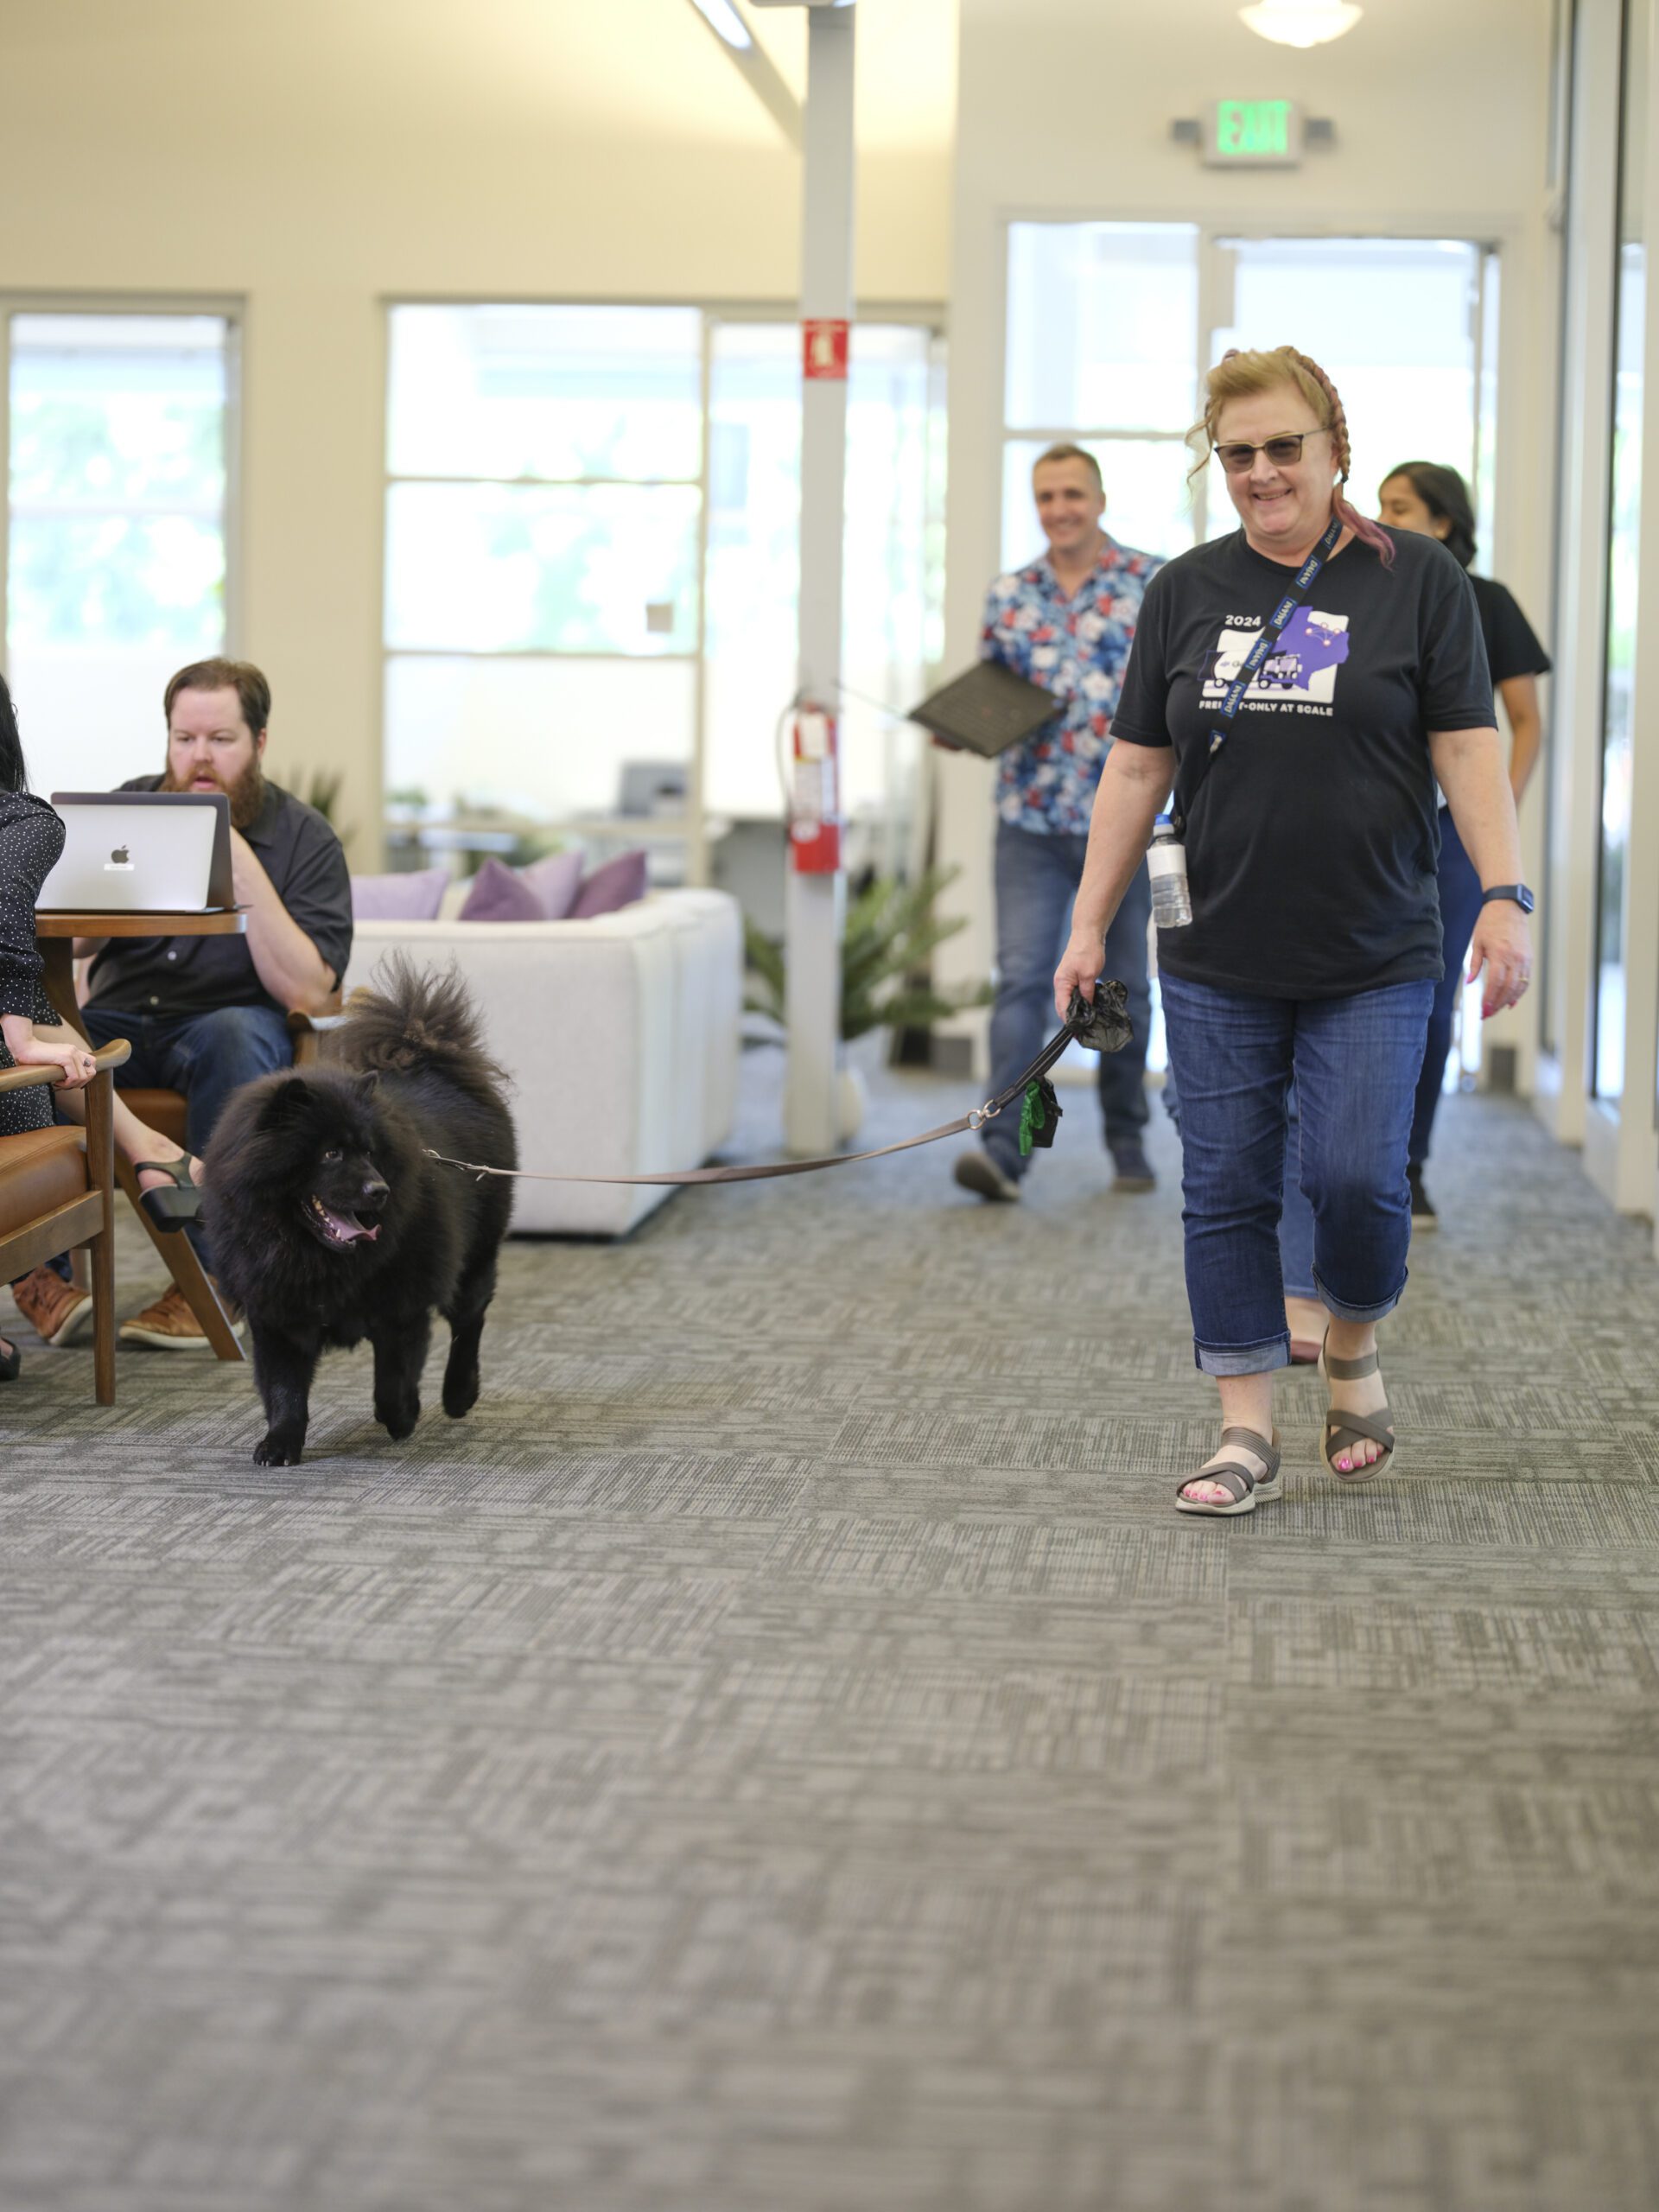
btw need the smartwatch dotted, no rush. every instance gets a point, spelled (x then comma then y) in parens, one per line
(1523, 898)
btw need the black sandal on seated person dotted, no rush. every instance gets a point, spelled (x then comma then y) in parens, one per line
(174, 1209)
(12, 1362)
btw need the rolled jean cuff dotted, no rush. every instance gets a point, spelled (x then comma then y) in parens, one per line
(1243, 1359)
(1357, 1312)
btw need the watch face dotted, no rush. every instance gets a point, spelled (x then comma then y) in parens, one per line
(1524, 899)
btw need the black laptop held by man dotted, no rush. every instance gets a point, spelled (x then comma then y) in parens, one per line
(987, 710)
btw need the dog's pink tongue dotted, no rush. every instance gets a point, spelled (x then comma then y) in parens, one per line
(348, 1228)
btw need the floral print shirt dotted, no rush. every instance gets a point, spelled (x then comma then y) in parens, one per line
(1077, 648)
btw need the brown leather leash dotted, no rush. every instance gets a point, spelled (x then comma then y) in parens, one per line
(1101, 1023)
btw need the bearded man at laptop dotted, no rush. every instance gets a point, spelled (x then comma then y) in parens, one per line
(205, 1015)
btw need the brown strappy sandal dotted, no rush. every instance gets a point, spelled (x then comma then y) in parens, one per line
(1234, 1477)
(1344, 1430)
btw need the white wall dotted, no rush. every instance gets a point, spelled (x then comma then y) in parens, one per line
(1063, 111)
(309, 159)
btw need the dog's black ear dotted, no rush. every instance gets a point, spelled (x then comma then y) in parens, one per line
(369, 1082)
(283, 1101)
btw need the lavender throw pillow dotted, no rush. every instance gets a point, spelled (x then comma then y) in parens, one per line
(555, 881)
(501, 894)
(412, 897)
(618, 883)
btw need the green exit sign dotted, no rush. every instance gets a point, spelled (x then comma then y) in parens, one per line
(1253, 134)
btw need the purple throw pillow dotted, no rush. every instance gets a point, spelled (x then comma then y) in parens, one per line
(618, 883)
(554, 881)
(414, 897)
(501, 894)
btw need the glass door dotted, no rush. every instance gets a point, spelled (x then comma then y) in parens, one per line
(1407, 330)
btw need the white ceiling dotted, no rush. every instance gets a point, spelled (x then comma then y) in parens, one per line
(655, 66)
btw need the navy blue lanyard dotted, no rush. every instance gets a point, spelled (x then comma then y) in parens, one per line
(1303, 582)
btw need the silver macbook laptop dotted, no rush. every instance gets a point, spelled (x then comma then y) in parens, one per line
(142, 852)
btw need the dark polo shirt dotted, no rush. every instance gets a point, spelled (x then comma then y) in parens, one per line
(198, 975)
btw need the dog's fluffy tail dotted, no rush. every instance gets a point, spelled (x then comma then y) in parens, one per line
(412, 1018)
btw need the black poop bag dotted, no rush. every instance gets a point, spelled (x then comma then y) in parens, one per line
(1103, 1023)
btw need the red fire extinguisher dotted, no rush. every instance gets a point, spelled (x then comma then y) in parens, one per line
(814, 794)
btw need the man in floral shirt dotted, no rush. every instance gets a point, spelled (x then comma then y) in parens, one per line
(1066, 623)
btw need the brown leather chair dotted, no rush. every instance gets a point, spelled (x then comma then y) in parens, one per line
(57, 1190)
(166, 1109)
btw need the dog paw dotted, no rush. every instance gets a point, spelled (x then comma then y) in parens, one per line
(274, 1450)
(460, 1394)
(398, 1421)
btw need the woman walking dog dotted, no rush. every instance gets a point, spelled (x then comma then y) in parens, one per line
(1301, 683)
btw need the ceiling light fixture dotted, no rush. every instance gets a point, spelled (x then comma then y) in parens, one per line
(724, 21)
(1299, 22)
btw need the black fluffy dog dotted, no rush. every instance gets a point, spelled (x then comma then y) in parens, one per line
(330, 1223)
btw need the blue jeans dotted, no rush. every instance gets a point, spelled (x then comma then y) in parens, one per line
(1037, 879)
(1296, 1214)
(1355, 1063)
(1459, 904)
(205, 1055)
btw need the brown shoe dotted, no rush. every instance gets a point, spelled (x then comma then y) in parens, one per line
(169, 1325)
(55, 1310)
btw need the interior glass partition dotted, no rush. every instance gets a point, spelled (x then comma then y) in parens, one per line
(592, 574)
(1607, 1049)
(115, 554)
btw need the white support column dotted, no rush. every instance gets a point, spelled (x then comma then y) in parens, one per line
(1633, 1185)
(815, 903)
(1569, 902)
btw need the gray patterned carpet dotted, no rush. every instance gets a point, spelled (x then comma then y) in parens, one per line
(784, 1754)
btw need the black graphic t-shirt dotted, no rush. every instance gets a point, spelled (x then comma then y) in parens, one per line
(1512, 647)
(1312, 839)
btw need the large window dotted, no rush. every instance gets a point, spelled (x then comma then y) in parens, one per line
(592, 570)
(116, 544)
(1607, 1053)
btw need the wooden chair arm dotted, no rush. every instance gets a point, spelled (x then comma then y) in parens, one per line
(112, 1055)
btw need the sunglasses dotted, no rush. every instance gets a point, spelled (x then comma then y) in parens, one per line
(1236, 457)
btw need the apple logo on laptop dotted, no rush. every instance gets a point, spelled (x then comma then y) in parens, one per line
(118, 859)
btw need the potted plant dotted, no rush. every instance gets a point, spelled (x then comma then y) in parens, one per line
(890, 932)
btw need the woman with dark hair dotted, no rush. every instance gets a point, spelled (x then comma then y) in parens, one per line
(31, 1035)
(1433, 501)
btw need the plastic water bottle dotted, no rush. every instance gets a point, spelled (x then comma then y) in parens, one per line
(1171, 903)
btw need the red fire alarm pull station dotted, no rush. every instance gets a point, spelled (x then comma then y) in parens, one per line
(823, 350)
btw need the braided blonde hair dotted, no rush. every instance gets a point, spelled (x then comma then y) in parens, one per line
(1240, 375)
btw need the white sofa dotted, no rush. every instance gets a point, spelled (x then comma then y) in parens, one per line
(620, 1034)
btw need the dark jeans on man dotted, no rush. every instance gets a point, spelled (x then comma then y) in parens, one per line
(1459, 905)
(1037, 879)
(1355, 1063)
(207, 1056)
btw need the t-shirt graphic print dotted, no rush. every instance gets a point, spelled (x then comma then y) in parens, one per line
(1302, 667)
(1312, 837)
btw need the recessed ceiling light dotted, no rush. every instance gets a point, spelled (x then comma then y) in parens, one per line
(723, 18)
(1301, 22)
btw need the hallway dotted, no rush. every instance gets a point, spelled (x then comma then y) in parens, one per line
(784, 1754)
